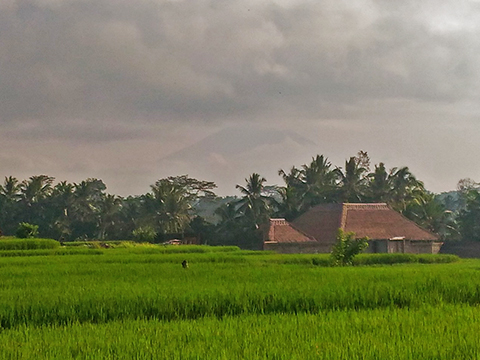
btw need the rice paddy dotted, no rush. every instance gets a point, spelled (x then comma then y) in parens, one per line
(139, 303)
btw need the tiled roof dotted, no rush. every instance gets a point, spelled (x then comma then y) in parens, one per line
(321, 222)
(377, 221)
(279, 230)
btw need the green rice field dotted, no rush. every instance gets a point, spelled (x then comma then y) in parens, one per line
(139, 303)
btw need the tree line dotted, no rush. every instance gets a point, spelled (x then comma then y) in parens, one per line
(171, 208)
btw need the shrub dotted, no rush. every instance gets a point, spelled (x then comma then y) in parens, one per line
(346, 248)
(144, 234)
(49, 252)
(399, 258)
(27, 231)
(28, 244)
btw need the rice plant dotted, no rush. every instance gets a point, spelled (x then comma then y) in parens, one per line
(232, 304)
(446, 332)
(77, 288)
(28, 244)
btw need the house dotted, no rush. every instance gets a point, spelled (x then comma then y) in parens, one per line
(315, 231)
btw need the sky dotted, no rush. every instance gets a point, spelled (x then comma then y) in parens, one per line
(133, 91)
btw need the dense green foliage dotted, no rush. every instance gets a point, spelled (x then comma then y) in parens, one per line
(144, 234)
(346, 248)
(27, 244)
(26, 231)
(470, 215)
(175, 207)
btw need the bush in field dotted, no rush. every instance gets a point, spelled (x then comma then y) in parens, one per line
(28, 244)
(49, 252)
(399, 258)
(144, 234)
(27, 231)
(346, 248)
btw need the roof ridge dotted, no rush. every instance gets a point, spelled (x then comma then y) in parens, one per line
(365, 203)
(365, 206)
(283, 225)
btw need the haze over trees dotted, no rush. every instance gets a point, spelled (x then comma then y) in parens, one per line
(172, 207)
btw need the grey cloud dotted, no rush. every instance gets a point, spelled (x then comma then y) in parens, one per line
(111, 88)
(78, 132)
(214, 60)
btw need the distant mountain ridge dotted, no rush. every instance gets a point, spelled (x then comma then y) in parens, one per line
(233, 141)
(230, 155)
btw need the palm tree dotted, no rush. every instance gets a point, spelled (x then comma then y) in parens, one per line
(133, 214)
(352, 181)
(33, 193)
(172, 206)
(427, 211)
(109, 211)
(320, 182)
(254, 204)
(291, 203)
(229, 218)
(9, 209)
(292, 193)
(171, 201)
(10, 189)
(313, 184)
(380, 186)
(405, 188)
(292, 179)
(35, 189)
(88, 196)
(468, 218)
(57, 210)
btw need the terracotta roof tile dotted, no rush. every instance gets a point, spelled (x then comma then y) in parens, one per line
(279, 230)
(377, 221)
(321, 222)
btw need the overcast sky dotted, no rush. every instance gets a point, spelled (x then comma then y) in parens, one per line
(133, 91)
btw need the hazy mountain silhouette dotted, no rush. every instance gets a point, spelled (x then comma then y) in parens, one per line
(235, 141)
(232, 154)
